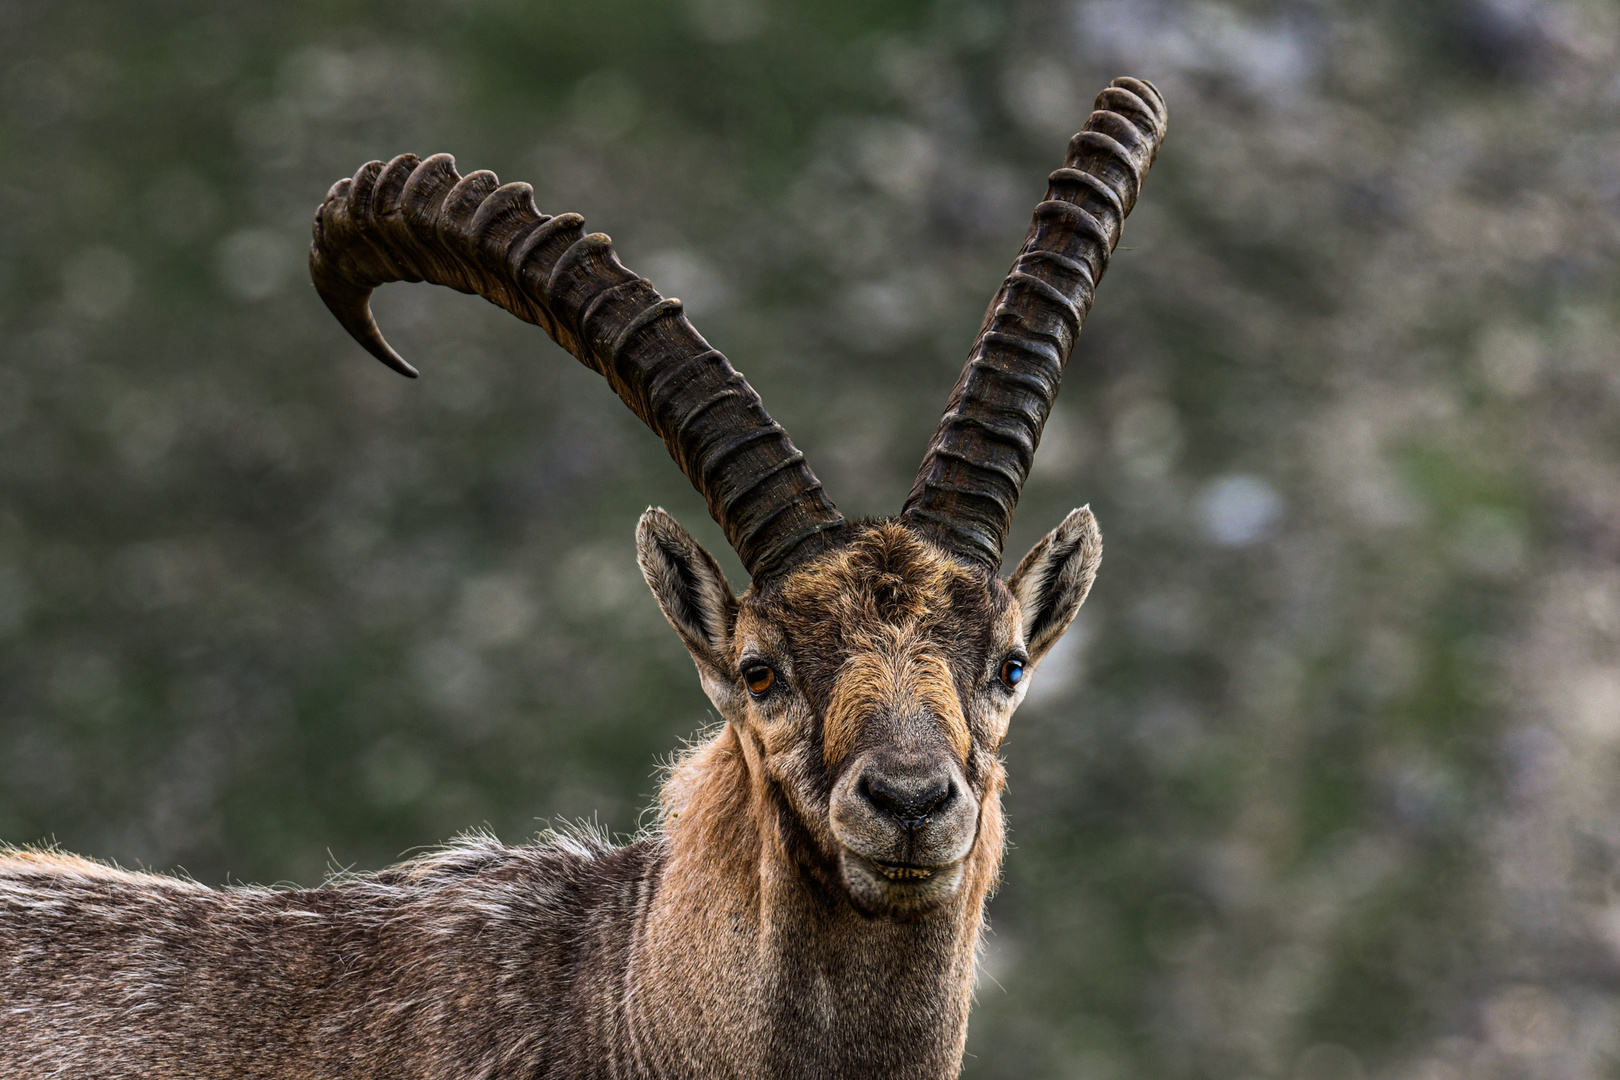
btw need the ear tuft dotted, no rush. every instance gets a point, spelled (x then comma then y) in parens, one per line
(1053, 579)
(688, 584)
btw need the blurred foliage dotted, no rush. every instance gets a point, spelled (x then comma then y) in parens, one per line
(1322, 784)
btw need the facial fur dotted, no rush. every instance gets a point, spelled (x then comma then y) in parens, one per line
(878, 733)
(868, 690)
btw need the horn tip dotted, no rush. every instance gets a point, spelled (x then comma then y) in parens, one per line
(385, 352)
(350, 305)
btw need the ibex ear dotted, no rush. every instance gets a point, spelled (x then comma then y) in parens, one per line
(690, 588)
(1052, 581)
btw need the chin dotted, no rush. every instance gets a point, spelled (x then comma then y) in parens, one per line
(889, 890)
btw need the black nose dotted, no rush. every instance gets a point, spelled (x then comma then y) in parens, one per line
(907, 799)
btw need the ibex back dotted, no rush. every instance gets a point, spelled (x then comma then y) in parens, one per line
(810, 903)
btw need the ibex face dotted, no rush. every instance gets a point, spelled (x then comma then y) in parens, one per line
(901, 649)
(872, 687)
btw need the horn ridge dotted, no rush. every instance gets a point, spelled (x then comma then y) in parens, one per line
(419, 220)
(976, 463)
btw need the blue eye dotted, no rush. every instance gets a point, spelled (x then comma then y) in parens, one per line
(1012, 673)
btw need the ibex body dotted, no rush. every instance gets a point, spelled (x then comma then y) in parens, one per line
(810, 904)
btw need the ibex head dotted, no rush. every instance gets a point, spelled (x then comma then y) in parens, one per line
(872, 686)
(870, 671)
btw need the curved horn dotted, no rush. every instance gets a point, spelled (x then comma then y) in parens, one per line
(965, 492)
(414, 220)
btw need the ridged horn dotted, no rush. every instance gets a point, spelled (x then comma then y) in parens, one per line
(415, 220)
(965, 492)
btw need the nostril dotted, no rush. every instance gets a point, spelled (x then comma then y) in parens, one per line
(936, 795)
(910, 800)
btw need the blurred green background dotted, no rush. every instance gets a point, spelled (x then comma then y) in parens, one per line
(1322, 785)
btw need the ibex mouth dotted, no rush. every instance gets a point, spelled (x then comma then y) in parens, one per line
(898, 889)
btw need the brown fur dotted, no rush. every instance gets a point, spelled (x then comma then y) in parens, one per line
(888, 597)
(900, 675)
(742, 938)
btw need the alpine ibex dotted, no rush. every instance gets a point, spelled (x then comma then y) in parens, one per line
(810, 904)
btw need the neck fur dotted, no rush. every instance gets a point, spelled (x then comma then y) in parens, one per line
(749, 955)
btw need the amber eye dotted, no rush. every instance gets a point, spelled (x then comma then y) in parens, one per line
(1012, 673)
(759, 679)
